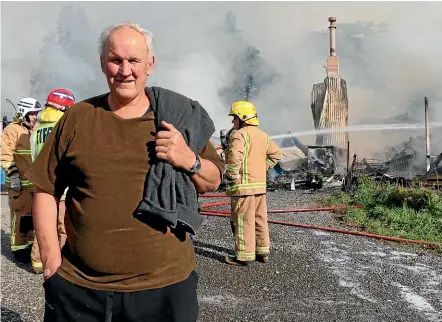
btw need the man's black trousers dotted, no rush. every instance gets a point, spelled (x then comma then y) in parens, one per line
(67, 302)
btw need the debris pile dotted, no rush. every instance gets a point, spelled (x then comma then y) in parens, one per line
(433, 177)
(398, 164)
(318, 169)
(323, 167)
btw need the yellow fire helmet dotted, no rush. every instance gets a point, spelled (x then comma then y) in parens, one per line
(245, 111)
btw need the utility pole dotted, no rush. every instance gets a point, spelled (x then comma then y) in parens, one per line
(427, 134)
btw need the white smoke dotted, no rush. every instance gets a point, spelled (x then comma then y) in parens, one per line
(389, 54)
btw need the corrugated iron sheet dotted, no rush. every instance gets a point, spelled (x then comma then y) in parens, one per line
(330, 110)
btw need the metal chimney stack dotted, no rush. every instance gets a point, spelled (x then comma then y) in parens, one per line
(332, 28)
(332, 60)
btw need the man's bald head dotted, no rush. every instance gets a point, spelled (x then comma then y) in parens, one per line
(104, 36)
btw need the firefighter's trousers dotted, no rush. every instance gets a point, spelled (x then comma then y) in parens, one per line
(22, 228)
(37, 264)
(250, 227)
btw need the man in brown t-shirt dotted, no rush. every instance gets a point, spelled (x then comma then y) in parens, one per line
(115, 267)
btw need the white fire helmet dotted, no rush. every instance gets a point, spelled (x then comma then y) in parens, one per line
(27, 105)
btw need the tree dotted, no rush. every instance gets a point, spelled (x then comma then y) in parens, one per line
(250, 73)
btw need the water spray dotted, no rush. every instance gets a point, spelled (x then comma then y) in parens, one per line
(359, 128)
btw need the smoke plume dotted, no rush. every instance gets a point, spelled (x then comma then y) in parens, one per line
(388, 52)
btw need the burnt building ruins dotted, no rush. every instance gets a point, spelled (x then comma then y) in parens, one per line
(329, 163)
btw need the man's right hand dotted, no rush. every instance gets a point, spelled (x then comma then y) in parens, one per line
(44, 214)
(51, 267)
(15, 182)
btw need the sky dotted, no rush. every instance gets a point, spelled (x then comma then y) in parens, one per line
(389, 55)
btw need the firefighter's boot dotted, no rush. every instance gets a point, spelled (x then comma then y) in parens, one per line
(234, 261)
(262, 258)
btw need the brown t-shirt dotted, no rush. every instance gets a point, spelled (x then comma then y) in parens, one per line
(103, 160)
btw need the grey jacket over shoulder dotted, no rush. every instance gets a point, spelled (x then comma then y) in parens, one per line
(169, 194)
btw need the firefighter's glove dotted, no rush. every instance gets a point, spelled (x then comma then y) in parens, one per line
(225, 144)
(228, 181)
(15, 182)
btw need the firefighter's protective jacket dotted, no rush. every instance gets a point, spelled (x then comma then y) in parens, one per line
(250, 153)
(48, 118)
(16, 153)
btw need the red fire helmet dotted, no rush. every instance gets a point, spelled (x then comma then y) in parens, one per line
(60, 99)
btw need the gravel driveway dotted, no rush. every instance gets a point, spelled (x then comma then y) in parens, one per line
(313, 275)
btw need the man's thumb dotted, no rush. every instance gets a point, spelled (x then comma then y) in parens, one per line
(167, 126)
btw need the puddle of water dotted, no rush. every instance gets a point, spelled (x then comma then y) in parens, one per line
(430, 279)
(378, 254)
(348, 273)
(418, 302)
(350, 270)
(399, 254)
(320, 233)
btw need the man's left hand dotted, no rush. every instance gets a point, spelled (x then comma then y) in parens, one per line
(171, 147)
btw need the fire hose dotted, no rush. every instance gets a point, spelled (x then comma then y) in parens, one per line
(225, 213)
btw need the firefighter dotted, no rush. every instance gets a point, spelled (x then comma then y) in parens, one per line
(249, 154)
(15, 161)
(57, 102)
(225, 139)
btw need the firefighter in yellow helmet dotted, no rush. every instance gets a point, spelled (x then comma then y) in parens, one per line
(249, 154)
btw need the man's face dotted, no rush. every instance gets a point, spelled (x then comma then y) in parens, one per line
(125, 63)
(235, 122)
(32, 118)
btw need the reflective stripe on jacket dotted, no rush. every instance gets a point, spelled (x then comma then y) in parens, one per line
(38, 138)
(48, 118)
(16, 153)
(250, 153)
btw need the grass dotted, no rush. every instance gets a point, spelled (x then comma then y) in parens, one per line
(410, 213)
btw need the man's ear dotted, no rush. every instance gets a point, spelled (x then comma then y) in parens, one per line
(150, 65)
(102, 64)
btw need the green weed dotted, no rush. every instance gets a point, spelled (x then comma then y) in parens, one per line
(411, 213)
